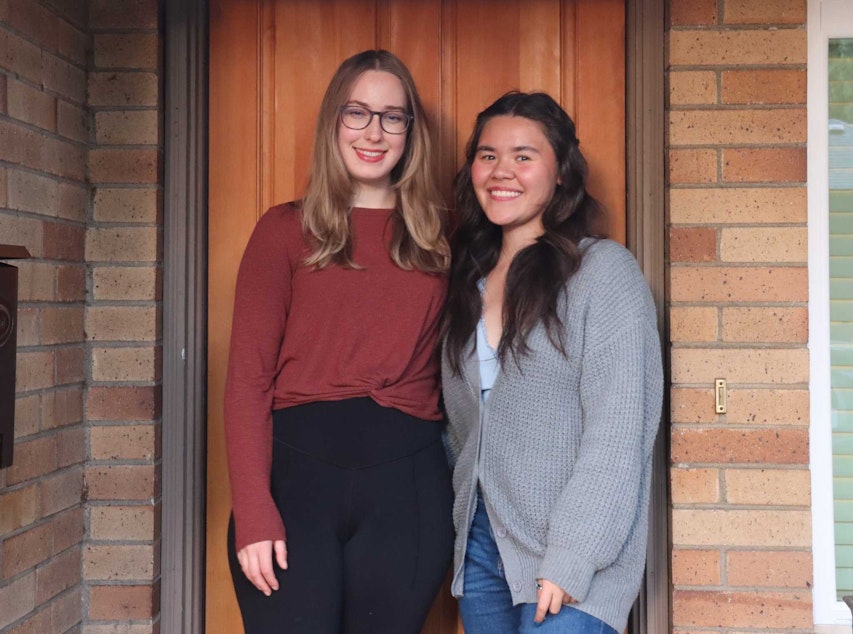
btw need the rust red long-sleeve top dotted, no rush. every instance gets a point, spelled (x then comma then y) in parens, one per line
(302, 335)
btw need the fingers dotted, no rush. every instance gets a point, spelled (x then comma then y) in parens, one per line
(551, 599)
(256, 562)
(280, 553)
(542, 606)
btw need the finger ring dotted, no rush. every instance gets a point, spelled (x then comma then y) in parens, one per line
(538, 585)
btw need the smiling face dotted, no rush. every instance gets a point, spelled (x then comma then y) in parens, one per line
(370, 154)
(514, 174)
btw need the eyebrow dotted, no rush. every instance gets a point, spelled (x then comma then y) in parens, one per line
(517, 148)
(356, 102)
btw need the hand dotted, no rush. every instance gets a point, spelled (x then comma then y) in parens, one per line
(551, 598)
(256, 562)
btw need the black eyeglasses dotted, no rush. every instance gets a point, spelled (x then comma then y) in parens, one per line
(391, 121)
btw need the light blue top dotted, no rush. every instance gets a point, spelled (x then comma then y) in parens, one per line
(489, 364)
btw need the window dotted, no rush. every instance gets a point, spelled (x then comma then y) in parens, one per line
(830, 109)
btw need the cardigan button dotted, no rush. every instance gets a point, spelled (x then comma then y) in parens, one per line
(516, 586)
(502, 532)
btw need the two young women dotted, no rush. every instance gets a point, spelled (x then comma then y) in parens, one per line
(551, 371)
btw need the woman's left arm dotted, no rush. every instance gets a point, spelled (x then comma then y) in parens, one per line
(621, 389)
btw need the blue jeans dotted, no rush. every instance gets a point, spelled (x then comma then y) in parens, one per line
(486, 605)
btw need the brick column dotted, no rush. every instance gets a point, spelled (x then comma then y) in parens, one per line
(121, 566)
(43, 199)
(738, 291)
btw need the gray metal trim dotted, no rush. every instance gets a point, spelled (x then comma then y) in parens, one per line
(184, 317)
(646, 116)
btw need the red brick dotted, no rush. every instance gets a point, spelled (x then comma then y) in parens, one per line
(58, 575)
(124, 442)
(62, 324)
(697, 366)
(26, 550)
(123, 403)
(127, 50)
(33, 458)
(38, 624)
(738, 205)
(742, 609)
(768, 407)
(123, 14)
(123, 89)
(71, 121)
(763, 13)
(17, 599)
(31, 105)
(769, 568)
(68, 529)
(64, 241)
(18, 508)
(66, 79)
(122, 603)
(48, 30)
(62, 407)
(122, 482)
(771, 325)
(34, 370)
(740, 446)
(693, 12)
(695, 567)
(61, 491)
(773, 86)
(692, 166)
(20, 56)
(65, 611)
(729, 47)
(695, 486)
(729, 127)
(124, 166)
(767, 165)
(121, 562)
(71, 283)
(71, 447)
(70, 365)
(692, 244)
(739, 284)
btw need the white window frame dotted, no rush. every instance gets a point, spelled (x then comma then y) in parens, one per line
(827, 19)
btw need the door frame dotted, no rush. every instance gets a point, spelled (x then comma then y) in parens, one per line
(185, 295)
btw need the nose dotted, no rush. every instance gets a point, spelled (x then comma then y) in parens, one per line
(373, 131)
(503, 169)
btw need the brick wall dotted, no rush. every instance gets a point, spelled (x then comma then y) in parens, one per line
(741, 529)
(80, 148)
(121, 562)
(43, 206)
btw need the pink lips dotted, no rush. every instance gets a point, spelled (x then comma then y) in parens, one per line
(370, 156)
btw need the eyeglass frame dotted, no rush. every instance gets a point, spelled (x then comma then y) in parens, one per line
(374, 113)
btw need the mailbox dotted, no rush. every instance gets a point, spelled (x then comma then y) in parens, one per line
(8, 343)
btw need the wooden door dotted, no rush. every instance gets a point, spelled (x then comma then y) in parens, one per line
(270, 61)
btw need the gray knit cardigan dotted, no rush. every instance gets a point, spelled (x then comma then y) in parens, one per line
(563, 446)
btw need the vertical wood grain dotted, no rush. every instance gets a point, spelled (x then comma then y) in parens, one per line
(270, 62)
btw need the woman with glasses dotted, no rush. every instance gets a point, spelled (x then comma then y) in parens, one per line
(552, 381)
(341, 489)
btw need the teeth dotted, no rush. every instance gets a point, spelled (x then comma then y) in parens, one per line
(371, 154)
(501, 193)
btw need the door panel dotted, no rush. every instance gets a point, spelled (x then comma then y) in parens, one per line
(270, 61)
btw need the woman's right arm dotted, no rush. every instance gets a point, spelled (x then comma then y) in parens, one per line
(261, 303)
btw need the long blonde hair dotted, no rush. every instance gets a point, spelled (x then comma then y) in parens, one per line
(418, 240)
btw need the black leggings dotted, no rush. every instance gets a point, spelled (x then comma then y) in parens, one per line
(365, 495)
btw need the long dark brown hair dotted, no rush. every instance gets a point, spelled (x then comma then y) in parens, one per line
(538, 273)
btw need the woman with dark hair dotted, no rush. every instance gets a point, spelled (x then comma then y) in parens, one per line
(552, 382)
(331, 403)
